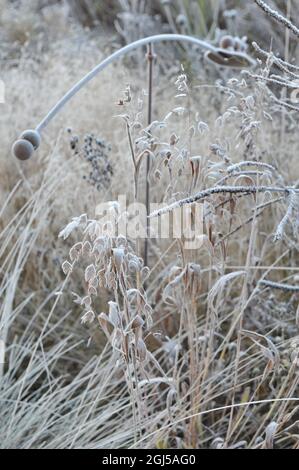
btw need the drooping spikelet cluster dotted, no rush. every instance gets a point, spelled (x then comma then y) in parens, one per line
(111, 264)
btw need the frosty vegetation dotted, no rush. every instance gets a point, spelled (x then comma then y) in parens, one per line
(108, 342)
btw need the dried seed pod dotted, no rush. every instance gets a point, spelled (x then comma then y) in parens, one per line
(86, 249)
(121, 241)
(22, 149)
(173, 139)
(135, 264)
(67, 267)
(76, 251)
(218, 443)
(118, 254)
(33, 137)
(92, 290)
(295, 358)
(141, 350)
(170, 400)
(90, 273)
(114, 315)
(137, 322)
(103, 320)
(158, 174)
(77, 299)
(270, 435)
(86, 301)
(88, 317)
(105, 324)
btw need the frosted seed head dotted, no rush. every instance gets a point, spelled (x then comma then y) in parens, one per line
(22, 149)
(33, 137)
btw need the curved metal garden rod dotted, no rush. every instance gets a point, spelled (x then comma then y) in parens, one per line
(30, 140)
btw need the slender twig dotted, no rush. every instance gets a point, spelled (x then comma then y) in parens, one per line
(274, 81)
(221, 189)
(284, 104)
(277, 17)
(131, 145)
(287, 217)
(243, 173)
(281, 64)
(235, 230)
(150, 58)
(277, 285)
(134, 160)
(238, 166)
(259, 210)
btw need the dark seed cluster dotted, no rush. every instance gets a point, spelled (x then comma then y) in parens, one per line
(96, 153)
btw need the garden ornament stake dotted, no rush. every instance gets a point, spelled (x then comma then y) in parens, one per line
(30, 140)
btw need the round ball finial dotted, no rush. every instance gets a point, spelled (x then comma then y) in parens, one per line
(227, 42)
(33, 137)
(23, 149)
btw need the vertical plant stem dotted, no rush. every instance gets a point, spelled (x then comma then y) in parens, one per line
(150, 59)
(284, 90)
(244, 300)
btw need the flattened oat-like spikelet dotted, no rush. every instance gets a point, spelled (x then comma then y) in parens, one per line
(90, 273)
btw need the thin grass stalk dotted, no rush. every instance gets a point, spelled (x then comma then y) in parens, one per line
(150, 59)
